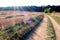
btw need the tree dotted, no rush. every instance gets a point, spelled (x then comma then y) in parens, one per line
(47, 10)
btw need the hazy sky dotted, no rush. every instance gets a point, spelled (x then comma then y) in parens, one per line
(4, 3)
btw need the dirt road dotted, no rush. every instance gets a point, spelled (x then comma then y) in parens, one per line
(40, 32)
(56, 27)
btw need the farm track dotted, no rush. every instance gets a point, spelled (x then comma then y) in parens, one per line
(38, 33)
(56, 27)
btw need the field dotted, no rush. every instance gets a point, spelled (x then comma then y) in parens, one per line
(15, 17)
(15, 24)
(56, 16)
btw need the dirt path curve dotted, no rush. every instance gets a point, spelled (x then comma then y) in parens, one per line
(40, 32)
(56, 27)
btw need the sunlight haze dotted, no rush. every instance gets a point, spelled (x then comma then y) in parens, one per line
(4, 3)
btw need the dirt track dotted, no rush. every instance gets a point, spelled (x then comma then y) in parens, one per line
(56, 27)
(40, 32)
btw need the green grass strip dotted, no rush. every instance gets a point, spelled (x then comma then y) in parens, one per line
(50, 31)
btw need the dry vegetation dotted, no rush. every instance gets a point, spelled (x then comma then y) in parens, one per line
(13, 23)
(56, 16)
(50, 31)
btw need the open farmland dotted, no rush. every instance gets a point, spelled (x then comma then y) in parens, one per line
(14, 23)
(30, 23)
(13, 17)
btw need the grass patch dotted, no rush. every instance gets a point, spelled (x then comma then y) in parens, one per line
(50, 31)
(57, 19)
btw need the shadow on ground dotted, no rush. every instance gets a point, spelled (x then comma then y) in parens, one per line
(30, 33)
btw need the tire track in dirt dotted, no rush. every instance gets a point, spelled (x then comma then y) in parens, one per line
(56, 27)
(40, 32)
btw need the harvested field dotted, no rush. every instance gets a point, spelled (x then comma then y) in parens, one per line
(14, 23)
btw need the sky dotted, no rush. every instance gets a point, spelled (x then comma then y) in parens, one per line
(4, 3)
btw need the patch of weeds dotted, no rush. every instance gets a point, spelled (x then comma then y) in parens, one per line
(50, 31)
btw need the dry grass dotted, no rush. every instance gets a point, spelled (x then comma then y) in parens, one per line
(15, 19)
(50, 31)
